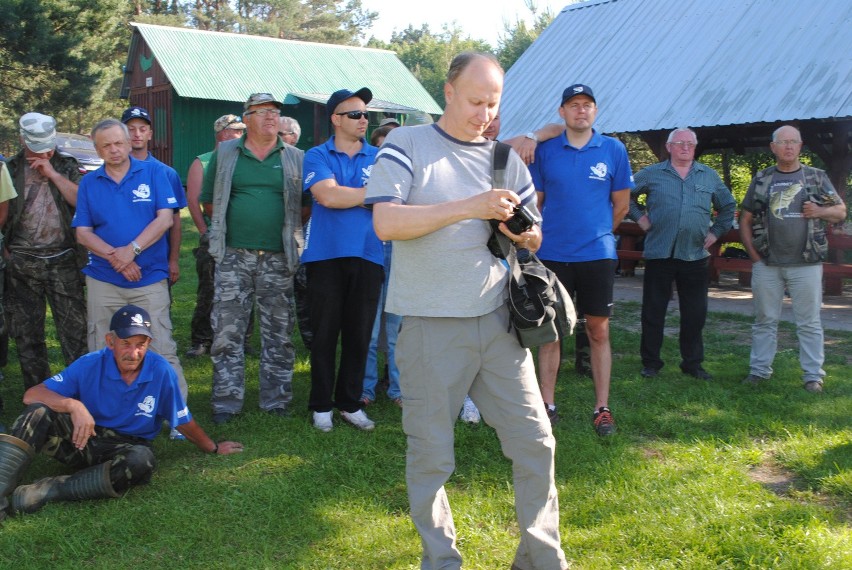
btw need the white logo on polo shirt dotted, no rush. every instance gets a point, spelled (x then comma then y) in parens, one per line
(142, 193)
(58, 378)
(309, 178)
(598, 171)
(146, 406)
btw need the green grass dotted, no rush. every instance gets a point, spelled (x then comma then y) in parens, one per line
(700, 475)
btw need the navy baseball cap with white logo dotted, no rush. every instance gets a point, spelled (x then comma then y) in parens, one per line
(131, 320)
(135, 113)
(575, 90)
(342, 95)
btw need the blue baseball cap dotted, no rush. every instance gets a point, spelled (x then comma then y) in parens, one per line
(135, 113)
(131, 320)
(342, 95)
(575, 90)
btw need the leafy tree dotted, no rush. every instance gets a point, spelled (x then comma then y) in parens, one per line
(52, 56)
(518, 37)
(428, 55)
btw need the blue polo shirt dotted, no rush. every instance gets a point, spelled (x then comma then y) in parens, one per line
(174, 180)
(118, 212)
(136, 410)
(577, 186)
(332, 232)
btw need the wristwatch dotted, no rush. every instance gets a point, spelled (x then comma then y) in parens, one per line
(136, 249)
(531, 135)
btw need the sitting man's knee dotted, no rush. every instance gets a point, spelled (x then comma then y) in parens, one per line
(139, 464)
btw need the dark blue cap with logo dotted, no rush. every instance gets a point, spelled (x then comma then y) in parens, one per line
(342, 95)
(131, 320)
(575, 90)
(136, 113)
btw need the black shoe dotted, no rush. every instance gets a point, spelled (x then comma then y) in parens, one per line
(197, 350)
(552, 415)
(603, 422)
(699, 373)
(755, 380)
(648, 372)
(583, 370)
(221, 418)
(279, 412)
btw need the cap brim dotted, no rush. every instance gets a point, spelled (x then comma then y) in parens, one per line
(41, 147)
(364, 95)
(133, 331)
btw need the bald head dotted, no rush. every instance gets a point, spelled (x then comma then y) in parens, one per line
(472, 91)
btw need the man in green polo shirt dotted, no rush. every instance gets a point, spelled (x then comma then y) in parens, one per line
(252, 194)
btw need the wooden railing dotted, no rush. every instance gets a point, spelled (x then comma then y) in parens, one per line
(835, 270)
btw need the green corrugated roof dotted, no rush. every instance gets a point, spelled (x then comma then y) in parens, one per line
(229, 67)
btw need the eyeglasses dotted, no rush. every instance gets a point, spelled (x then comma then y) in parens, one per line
(789, 142)
(355, 115)
(584, 106)
(264, 112)
(286, 134)
(684, 144)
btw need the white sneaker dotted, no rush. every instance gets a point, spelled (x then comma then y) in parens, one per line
(469, 412)
(359, 419)
(322, 421)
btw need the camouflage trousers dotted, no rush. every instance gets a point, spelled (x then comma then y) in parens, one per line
(205, 267)
(303, 311)
(31, 281)
(243, 277)
(131, 458)
(582, 348)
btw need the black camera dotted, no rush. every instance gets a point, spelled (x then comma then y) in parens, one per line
(522, 220)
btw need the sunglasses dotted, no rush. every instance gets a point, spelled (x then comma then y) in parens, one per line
(355, 115)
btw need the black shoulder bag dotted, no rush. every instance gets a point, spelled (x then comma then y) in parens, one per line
(540, 308)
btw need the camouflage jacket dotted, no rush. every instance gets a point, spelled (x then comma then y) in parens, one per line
(64, 164)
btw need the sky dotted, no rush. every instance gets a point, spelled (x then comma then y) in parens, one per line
(479, 19)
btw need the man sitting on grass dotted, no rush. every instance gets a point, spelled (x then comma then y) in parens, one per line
(98, 415)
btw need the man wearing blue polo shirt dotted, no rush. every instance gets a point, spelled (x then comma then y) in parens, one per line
(98, 415)
(583, 180)
(343, 259)
(124, 210)
(138, 123)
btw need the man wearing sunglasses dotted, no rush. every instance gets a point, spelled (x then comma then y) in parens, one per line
(252, 193)
(343, 259)
(680, 197)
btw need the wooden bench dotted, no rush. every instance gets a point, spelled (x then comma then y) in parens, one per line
(835, 270)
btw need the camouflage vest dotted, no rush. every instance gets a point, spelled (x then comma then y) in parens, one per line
(816, 245)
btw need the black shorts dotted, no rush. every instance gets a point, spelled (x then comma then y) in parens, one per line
(590, 283)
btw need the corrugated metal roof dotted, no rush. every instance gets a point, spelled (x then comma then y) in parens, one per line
(660, 64)
(229, 67)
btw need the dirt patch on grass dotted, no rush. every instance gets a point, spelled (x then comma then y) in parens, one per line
(788, 485)
(777, 479)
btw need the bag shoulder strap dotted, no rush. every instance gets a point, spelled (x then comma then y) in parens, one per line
(499, 159)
